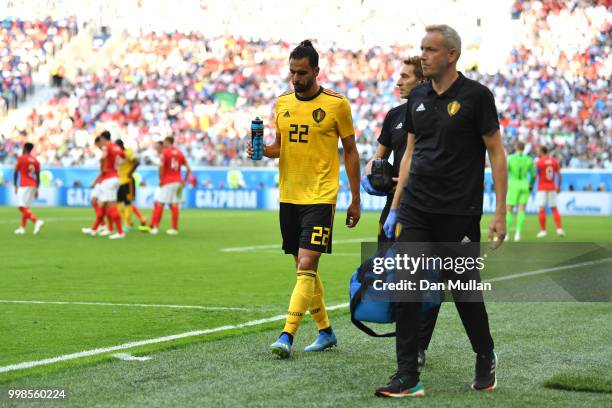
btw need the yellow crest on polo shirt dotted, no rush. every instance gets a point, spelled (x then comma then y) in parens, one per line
(453, 108)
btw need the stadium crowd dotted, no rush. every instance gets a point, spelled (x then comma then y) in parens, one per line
(26, 45)
(553, 91)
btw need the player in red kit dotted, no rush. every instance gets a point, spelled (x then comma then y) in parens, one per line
(159, 147)
(546, 195)
(29, 170)
(95, 196)
(171, 185)
(109, 185)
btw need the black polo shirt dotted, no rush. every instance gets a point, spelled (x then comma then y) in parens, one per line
(447, 170)
(393, 135)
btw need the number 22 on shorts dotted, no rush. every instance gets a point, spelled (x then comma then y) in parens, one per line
(320, 236)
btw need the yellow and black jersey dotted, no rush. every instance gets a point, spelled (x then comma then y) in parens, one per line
(309, 167)
(126, 166)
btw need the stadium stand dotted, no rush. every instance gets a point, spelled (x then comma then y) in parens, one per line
(553, 91)
(26, 45)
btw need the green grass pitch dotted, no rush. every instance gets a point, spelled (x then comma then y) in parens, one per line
(210, 266)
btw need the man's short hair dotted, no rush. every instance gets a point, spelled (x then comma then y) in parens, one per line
(169, 139)
(543, 149)
(28, 147)
(119, 143)
(306, 50)
(97, 139)
(416, 63)
(520, 146)
(451, 37)
(105, 135)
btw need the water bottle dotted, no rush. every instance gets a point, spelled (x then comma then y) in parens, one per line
(257, 138)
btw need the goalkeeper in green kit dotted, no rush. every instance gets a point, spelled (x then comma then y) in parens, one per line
(521, 178)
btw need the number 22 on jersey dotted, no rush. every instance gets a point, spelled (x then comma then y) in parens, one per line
(298, 133)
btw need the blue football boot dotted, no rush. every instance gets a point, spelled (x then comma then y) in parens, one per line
(282, 346)
(323, 341)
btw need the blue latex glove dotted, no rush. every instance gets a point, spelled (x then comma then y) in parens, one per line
(390, 223)
(367, 186)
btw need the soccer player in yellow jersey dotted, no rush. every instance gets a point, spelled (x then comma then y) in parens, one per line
(309, 122)
(127, 187)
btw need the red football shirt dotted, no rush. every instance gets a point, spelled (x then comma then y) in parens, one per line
(28, 167)
(547, 167)
(172, 159)
(111, 153)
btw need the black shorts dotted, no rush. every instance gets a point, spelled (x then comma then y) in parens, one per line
(307, 226)
(127, 192)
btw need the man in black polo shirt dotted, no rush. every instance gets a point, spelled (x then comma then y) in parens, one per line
(393, 139)
(451, 122)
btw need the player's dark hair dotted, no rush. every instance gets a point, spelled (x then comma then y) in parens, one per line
(169, 139)
(416, 63)
(520, 146)
(28, 147)
(306, 50)
(119, 143)
(105, 135)
(543, 149)
(97, 139)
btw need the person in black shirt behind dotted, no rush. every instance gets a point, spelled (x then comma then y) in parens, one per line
(451, 123)
(393, 139)
(393, 136)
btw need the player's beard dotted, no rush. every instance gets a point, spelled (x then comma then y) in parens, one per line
(305, 87)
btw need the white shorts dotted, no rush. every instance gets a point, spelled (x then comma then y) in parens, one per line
(108, 190)
(25, 196)
(546, 198)
(170, 193)
(156, 194)
(95, 192)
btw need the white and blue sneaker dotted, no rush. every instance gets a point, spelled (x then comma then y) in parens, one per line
(282, 346)
(323, 341)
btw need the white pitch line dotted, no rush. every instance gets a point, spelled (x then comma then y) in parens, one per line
(129, 357)
(49, 302)
(125, 346)
(278, 246)
(546, 270)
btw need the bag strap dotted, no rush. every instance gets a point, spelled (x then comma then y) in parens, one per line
(359, 324)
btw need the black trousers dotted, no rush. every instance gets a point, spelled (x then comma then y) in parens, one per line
(420, 226)
(429, 316)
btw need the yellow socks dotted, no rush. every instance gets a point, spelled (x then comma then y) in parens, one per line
(121, 209)
(317, 306)
(302, 296)
(127, 213)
